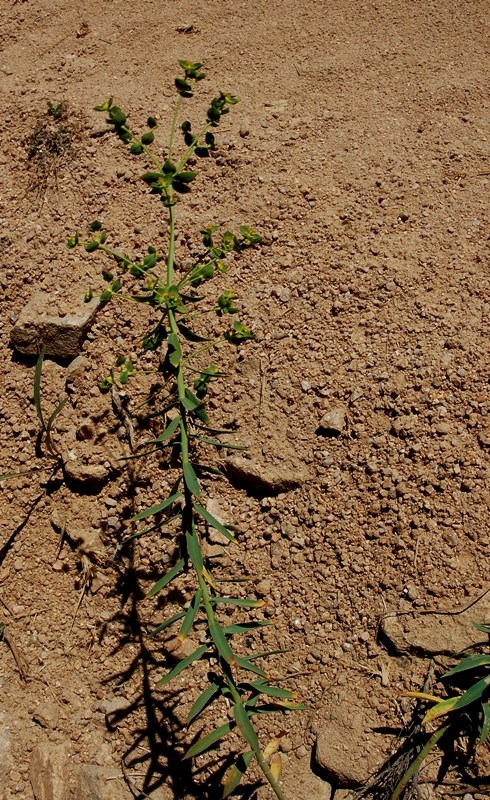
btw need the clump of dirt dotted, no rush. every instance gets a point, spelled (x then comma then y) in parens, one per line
(50, 145)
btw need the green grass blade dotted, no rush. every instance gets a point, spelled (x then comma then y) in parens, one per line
(416, 764)
(245, 726)
(190, 615)
(244, 664)
(182, 665)
(208, 741)
(49, 426)
(167, 623)
(194, 550)
(204, 699)
(480, 626)
(245, 627)
(169, 576)
(485, 726)
(190, 479)
(472, 662)
(244, 602)
(218, 443)
(221, 642)
(215, 523)
(8, 475)
(237, 773)
(271, 691)
(169, 430)
(150, 512)
(37, 389)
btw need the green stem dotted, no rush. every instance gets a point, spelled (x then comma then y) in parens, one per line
(171, 250)
(415, 765)
(190, 150)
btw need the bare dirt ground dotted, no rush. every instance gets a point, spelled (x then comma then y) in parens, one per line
(359, 150)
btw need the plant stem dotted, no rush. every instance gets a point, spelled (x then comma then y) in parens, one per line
(173, 127)
(415, 765)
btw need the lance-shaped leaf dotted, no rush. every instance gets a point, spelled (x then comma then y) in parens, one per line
(237, 773)
(150, 512)
(169, 576)
(245, 726)
(194, 550)
(175, 350)
(221, 642)
(169, 430)
(215, 523)
(218, 443)
(167, 623)
(190, 616)
(204, 699)
(209, 740)
(472, 662)
(246, 627)
(182, 665)
(243, 602)
(271, 691)
(243, 663)
(474, 693)
(485, 727)
(480, 626)
(189, 334)
(190, 479)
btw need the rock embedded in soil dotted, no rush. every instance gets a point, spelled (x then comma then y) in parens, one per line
(333, 421)
(92, 476)
(48, 770)
(100, 783)
(435, 634)
(299, 780)
(6, 757)
(61, 336)
(258, 476)
(346, 751)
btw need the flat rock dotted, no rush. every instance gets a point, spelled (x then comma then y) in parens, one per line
(61, 336)
(47, 715)
(6, 757)
(436, 634)
(48, 771)
(79, 468)
(347, 752)
(263, 478)
(100, 783)
(333, 421)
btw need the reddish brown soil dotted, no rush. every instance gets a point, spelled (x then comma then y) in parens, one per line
(359, 150)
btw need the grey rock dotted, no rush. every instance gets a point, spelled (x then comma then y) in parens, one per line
(48, 772)
(77, 470)
(333, 421)
(116, 710)
(346, 750)
(75, 371)
(100, 783)
(38, 327)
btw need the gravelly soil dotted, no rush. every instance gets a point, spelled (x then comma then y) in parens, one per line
(359, 150)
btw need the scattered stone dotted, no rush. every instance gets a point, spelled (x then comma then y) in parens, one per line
(217, 509)
(263, 588)
(48, 771)
(100, 783)
(435, 634)
(299, 780)
(346, 749)
(333, 421)
(75, 371)
(47, 715)
(91, 475)
(263, 478)
(116, 710)
(60, 336)
(178, 650)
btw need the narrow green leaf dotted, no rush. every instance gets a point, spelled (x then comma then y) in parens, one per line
(480, 626)
(473, 693)
(245, 726)
(243, 663)
(245, 627)
(221, 642)
(49, 425)
(167, 623)
(149, 512)
(472, 662)
(194, 550)
(485, 727)
(169, 576)
(204, 699)
(208, 741)
(175, 350)
(182, 665)
(169, 430)
(190, 615)
(237, 773)
(190, 479)
(271, 691)
(243, 602)
(216, 524)
(217, 443)
(189, 334)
